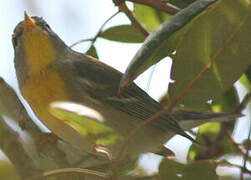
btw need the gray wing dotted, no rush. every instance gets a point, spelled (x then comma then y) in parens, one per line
(102, 83)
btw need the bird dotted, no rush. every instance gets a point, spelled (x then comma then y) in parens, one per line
(48, 70)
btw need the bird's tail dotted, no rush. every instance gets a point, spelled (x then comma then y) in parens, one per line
(191, 119)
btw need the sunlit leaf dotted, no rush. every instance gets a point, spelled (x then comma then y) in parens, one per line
(86, 121)
(149, 16)
(245, 82)
(245, 79)
(123, 33)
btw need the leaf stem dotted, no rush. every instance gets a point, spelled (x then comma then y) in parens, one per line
(123, 7)
(98, 33)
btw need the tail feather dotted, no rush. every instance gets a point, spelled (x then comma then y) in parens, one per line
(191, 119)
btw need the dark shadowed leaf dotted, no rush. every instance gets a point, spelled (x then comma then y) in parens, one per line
(245, 80)
(123, 33)
(225, 103)
(228, 102)
(248, 72)
(172, 170)
(163, 41)
(205, 170)
(92, 52)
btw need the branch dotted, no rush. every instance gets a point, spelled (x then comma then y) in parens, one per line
(12, 147)
(11, 107)
(98, 33)
(123, 7)
(71, 170)
(159, 5)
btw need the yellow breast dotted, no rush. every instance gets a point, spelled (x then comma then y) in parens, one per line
(42, 89)
(44, 85)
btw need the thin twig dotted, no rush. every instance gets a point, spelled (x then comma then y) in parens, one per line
(244, 103)
(159, 5)
(98, 33)
(228, 164)
(123, 7)
(236, 146)
(81, 41)
(71, 170)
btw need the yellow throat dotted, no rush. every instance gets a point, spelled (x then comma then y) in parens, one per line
(44, 85)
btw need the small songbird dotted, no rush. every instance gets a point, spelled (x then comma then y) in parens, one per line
(48, 70)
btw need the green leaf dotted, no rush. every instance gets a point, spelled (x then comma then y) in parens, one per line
(92, 52)
(205, 170)
(86, 121)
(172, 170)
(163, 41)
(149, 16)
(248, 73)
(227, 102)
(245, 82)
(245, 79)
(123, 33)
(213, 54)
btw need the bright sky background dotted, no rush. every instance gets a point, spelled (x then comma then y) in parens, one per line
(75, 20)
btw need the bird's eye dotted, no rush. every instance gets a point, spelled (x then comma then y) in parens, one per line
(47, 26)
(14, 40)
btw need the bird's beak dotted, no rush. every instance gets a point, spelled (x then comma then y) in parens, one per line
(29, 22)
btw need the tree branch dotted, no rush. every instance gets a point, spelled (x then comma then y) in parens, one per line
(123, 7)
(98, 33)
(159, 5)
(12, 147)
(11, 107)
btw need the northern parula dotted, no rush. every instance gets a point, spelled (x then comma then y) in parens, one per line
(48, 70)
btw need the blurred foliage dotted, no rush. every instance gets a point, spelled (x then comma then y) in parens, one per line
(172, 170)
(7, 171)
